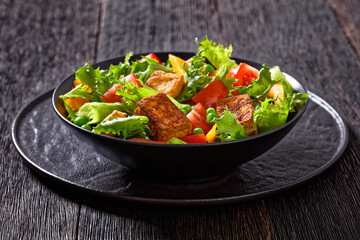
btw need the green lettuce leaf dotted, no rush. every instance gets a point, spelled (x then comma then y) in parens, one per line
(216, 54)
(228, 128)
(261, 86)
(80, 91)
(135, 93)
(269, 116)
(95, 112)
(143, 70)
(71, 113)
(176, 141)
(278, 76)
(195, 79)
(130, 127)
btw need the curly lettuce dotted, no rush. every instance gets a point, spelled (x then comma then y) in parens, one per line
(129, 127)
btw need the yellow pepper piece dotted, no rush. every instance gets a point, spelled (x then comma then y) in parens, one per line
(277, 91)
(211, 135)
(177, 64)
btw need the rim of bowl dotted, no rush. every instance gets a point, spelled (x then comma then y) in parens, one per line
(120, 140)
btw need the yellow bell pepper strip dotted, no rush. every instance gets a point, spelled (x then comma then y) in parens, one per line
(177, 64)
(211, 135)
(277, 91)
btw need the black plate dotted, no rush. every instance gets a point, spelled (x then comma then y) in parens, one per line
(49, 147)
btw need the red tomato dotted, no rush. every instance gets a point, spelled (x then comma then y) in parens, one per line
(133, 79)
(197, 117)
(110, 95)
(211, 94)
(197, 138)
(152, 56)
(244, 73)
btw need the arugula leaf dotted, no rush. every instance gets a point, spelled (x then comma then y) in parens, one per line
(217, 55)
(130, 127)
(176, 141)
(227, 128)
(195, 79)
(95, 112)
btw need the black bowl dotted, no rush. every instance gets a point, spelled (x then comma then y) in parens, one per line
(179, 162)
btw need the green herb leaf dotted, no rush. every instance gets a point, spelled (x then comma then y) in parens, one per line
(130, 127)
(95, 112)
(228, 128)
(216, 54)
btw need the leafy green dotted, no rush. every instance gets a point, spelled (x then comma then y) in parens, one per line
(297, 101)
(130, 127)
(80, 91)
(195, 79)
(93, 78)
(228, 128)
(143, 70)
(71, 112)
(216, 54)
(269, 116)
(278, 76)
(135, 93)
(261, 86)
(95, 112)
(176, 141)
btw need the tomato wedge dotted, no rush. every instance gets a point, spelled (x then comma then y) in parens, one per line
(197, 117)
(131, 78)
(244, 73)
(211, 94)
(110, 95)
(151, 56)
(197, 138)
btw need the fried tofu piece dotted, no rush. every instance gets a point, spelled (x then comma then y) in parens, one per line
(243, 108)
(165, 119)
(168, 83)
(116, 113)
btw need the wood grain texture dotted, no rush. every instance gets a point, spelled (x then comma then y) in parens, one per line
(307, 41)
(40, 43)
(348, 15)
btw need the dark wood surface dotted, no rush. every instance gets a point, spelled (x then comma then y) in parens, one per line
(317, 42)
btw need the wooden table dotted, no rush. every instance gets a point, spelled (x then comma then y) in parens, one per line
(318, 42)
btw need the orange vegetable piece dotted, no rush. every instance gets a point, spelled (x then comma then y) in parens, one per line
(76, 103)
(177, 64)
(277, 91)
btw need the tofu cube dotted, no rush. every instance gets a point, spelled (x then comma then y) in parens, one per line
(243, 108)
(165, 119)
(168, 83)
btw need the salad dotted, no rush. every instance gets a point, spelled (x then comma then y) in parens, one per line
(207, 98)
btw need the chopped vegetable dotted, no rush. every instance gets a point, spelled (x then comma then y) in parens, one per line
(207, 98)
